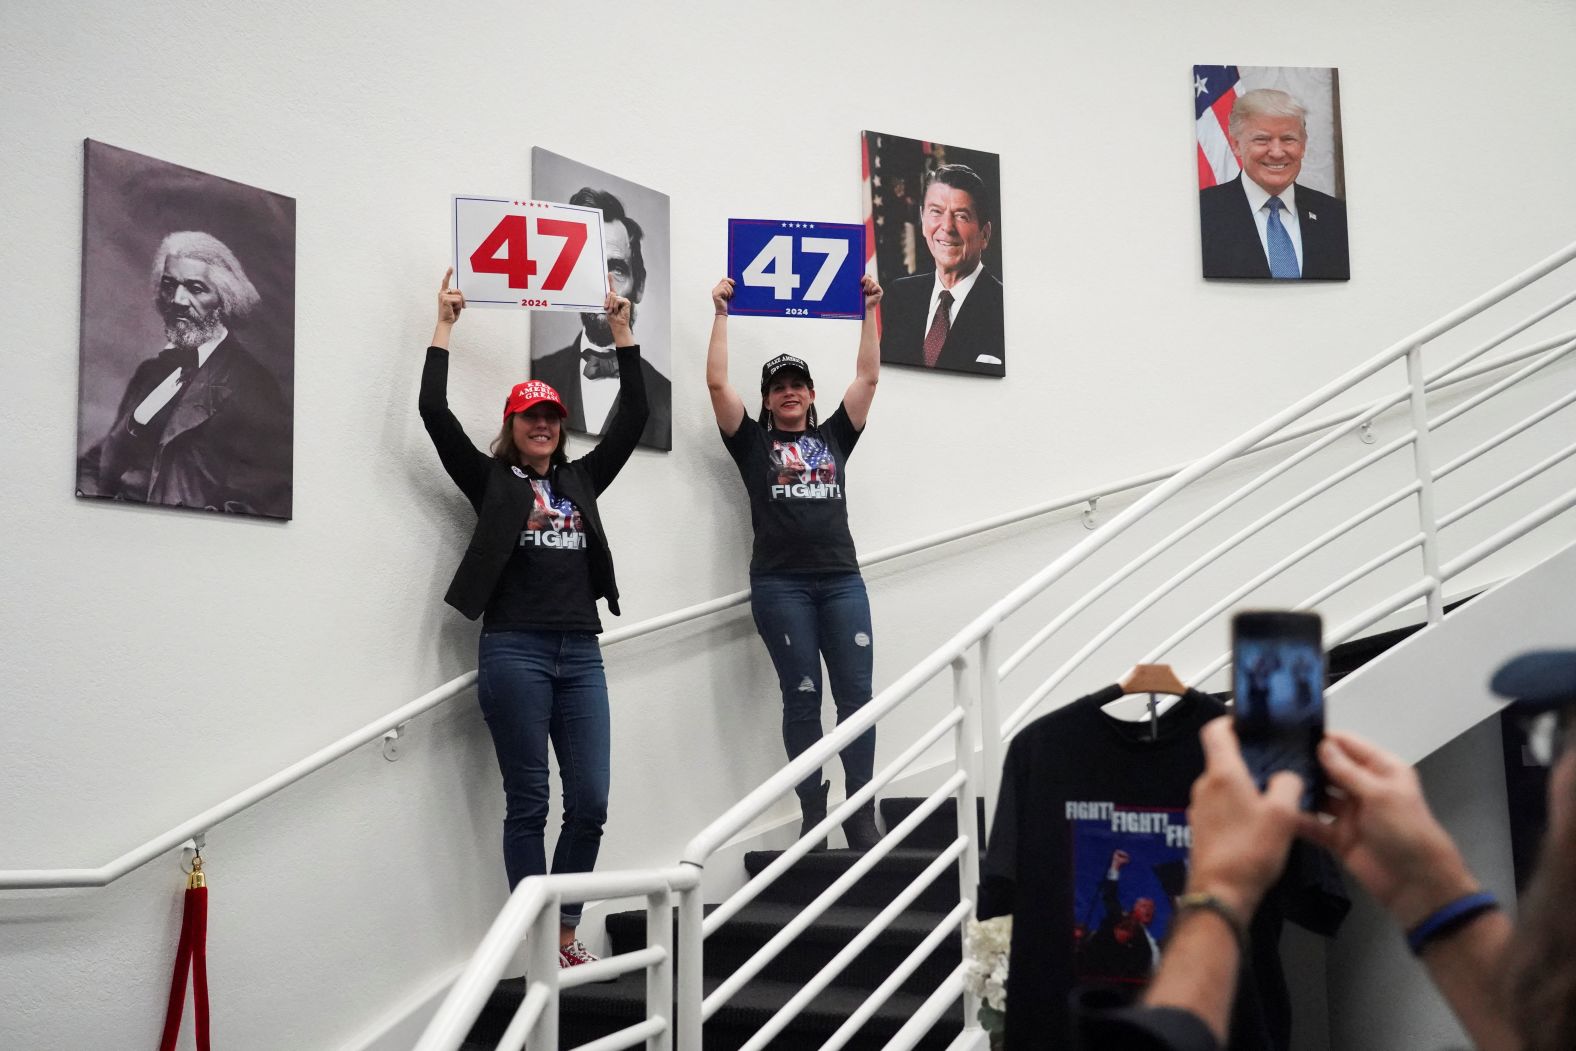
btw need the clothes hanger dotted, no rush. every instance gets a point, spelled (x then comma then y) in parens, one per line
(1152, 679)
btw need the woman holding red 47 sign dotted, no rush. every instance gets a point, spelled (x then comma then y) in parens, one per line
(806, 593)
(533, 571)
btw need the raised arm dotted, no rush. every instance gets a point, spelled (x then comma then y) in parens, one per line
(1240, 841)
(465, 463)
(450, 302)
(867, 367)
(1386, 836)
(605, 461)
(725, 401)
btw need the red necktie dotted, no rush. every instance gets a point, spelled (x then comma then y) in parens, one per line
(936, 338)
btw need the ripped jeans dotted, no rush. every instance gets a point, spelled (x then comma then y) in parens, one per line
(802, 618)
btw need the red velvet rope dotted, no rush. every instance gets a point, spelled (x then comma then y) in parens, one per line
(193, 953)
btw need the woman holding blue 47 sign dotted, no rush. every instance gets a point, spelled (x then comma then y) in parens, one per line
(806, 593)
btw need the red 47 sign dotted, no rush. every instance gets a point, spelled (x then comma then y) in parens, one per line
(532, 254)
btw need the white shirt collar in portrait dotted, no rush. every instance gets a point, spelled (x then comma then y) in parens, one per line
(960, 292)
(1258, 198)
(160, 396)
(596, 396)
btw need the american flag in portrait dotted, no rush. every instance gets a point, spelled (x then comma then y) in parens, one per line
(1215, 91)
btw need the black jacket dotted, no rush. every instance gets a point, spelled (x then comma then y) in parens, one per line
(502, 496)
(224, 443)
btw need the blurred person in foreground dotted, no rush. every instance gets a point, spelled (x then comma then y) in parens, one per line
(1513, 987)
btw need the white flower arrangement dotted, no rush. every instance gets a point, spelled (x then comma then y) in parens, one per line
(989, 944)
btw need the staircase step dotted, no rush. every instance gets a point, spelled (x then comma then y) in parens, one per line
(938, 829)
(742, 936)
(813, 873)
(594, 1011)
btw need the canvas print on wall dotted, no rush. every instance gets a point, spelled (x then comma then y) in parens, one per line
(574, 352)
(934, 233)
(1272, 189)
(188, 338)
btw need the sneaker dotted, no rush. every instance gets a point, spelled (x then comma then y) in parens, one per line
(575, 953)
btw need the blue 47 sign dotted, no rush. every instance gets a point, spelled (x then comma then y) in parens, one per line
(784, 268)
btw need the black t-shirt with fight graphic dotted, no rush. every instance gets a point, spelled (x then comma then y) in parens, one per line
(795, 482)
(1088, 851)
(546, 584)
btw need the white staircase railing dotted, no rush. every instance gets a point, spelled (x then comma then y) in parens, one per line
(973, 720)
(197, 826)
(532, 914)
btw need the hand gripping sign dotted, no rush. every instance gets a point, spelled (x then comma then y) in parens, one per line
(532, 254)
(784, 268)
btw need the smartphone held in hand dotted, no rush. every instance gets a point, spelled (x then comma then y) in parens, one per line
(1278, 679)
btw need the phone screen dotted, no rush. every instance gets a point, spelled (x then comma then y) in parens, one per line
(1278, 679)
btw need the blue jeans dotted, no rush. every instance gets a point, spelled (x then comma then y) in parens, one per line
(535, 687)
(802, 618)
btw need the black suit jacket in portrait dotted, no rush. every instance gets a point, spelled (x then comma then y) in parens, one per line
(977, 327)
(223, 443)
(1231, 237)
(562, 370)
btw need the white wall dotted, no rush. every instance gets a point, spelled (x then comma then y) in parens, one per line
(159, 661)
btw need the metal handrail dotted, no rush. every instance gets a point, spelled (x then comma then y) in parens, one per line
(979, 631)
(1503, 384)
(103, 875)
(823, 901)
(1505, 435)
(1564, 345)
(924, 1020)
(1203, 561)
(1507, 485)
(855, 945)
(30, 879)
(533, 907)
(883, 992)
(769, 875)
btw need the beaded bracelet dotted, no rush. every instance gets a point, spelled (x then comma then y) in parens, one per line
(1449, 918)
(1211, 903)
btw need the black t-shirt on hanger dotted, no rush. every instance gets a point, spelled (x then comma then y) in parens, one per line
(1090, 846)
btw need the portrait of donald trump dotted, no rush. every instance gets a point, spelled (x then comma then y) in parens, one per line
(1271, 182)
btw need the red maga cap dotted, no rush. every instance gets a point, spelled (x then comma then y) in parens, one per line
(531, 393)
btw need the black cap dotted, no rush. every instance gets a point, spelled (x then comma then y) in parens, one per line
(780, 362)
(1538, 680)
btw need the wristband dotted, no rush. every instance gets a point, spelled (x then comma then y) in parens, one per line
(1211, 903)
(1449, 918)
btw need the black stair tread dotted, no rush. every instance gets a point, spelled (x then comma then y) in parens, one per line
(910, 859)
(757, 1001)
(839, 923)
(760, 999)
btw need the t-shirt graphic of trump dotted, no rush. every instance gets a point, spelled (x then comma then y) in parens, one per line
(804, 469)
(554, 522)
